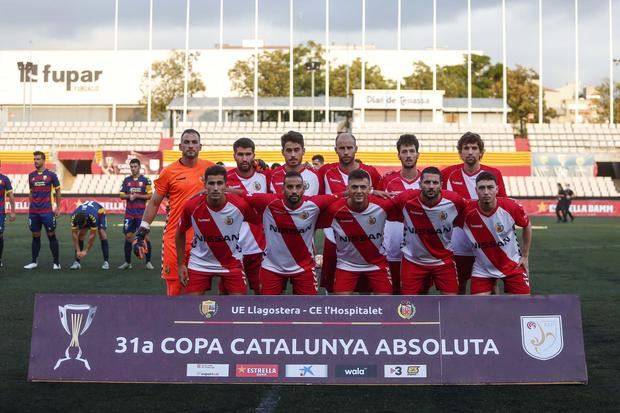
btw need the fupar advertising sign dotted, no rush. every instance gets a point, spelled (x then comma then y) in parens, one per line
(315, 340)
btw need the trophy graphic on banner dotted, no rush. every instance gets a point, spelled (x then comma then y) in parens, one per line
(76, 314)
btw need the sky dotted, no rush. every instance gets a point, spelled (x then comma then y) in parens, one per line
(89, 24)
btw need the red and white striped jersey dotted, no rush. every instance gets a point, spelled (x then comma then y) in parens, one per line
(252, 237)
(312, 183)
(359, 235)
(216, 232)
(393, 236)
(454, 178)
(428, 229)
(335, 182)
(493, 237)
(289, 232)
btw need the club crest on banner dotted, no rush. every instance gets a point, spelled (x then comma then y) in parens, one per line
(75, 319)
(208, 308)
(406, 310)
(541, 336)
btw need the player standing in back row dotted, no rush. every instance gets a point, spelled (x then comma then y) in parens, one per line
(408, 177)
(461, 179)
(178, 181)
(335, 177)
(136, 190)
(44, 191)
(248, 180)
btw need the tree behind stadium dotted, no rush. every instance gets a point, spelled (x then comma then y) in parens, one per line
(167, 82)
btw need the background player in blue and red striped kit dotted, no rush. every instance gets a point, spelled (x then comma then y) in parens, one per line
(44, 191)
(136, 190)
(6, 189)
(89, 215)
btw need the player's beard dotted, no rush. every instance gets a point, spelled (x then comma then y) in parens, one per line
(244, 166)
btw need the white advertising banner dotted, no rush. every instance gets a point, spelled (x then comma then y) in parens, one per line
(389, 99)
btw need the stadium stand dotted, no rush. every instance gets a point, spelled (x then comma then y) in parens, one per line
(81, 135)
(558, 137)
(377, 136)
(438, 140)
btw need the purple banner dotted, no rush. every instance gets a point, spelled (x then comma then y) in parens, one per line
(310, 340)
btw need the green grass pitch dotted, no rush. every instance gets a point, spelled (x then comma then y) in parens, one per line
(579, 258)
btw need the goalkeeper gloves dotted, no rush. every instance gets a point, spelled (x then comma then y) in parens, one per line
(139, 244)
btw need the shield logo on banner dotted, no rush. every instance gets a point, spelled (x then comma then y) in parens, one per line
(541, 336)
(208, 308)
(406, 310)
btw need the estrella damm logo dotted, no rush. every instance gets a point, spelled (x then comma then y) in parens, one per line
(208, 308)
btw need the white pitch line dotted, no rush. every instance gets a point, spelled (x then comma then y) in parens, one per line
(269, 401)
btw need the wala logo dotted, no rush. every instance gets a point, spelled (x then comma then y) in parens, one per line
(356, 371)
(257, 370)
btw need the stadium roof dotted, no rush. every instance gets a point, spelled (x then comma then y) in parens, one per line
(305, 103)
(264, 103)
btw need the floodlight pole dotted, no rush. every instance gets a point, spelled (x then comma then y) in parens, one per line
(186, 65)
(290, 63)
(150, 69)
(363, 74)
(255, 61)
(611, 65)
(434, 59)
(115, 50)
(576, 61)
(327, 62)
(398, 48)
(221, 28)
(540, 64)
(504, 71)
(469, 80)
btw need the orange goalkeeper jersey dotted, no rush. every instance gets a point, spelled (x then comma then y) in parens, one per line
(179, 183)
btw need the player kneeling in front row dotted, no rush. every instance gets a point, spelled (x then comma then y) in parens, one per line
(216, 219)
(358, 222)
(89, 215)
(429, 215)
(489, 226)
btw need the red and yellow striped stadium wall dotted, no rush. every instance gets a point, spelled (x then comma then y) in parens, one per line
(510, 163)
(18, 162)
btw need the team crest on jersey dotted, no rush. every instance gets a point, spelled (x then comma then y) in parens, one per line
(208, 308)
(406, 310)
(140, 183)
(499, 227)
(257, 186)
(443, 215)
(229, 221)
(372, 220)
(304, 215)
(306, 185)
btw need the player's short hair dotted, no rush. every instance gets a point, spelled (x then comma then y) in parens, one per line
(244, 143)
(469, 138)
(80, 219)
(292, 136)
(318, 157)
(359, 174)
(431, 170)
(275, 165)
(407, 139)
(216, 170)
(293, 174)
(486, 176)
(134, 161)
(344, 133)
(190, 131)
(39, 153)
